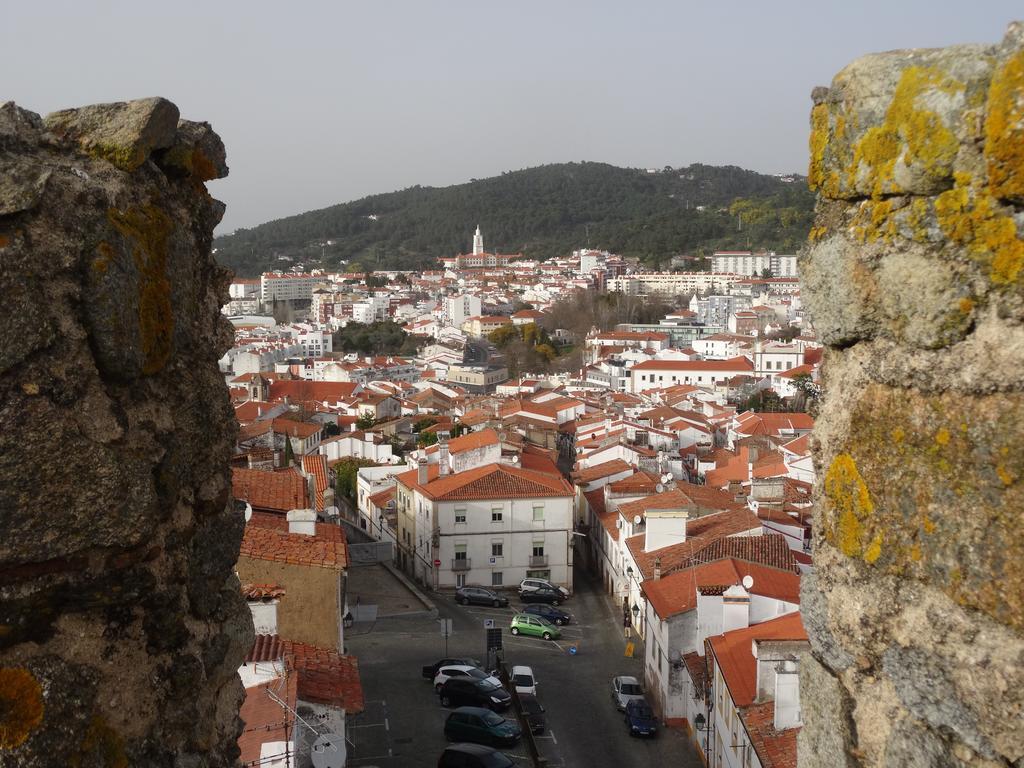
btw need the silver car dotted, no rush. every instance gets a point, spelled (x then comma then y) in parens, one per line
(625, 689)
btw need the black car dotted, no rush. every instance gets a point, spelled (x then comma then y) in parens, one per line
(555, 615)
(470, 692)
(534, 712)
(542, 595)
(473, 756)
(430, 670)
(479, 596)
(640, 718)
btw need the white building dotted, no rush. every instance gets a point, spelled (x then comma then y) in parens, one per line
(284, 287)
(460, 308)
(673, 283)
(658, 374)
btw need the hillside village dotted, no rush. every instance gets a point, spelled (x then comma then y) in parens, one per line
(646, 468)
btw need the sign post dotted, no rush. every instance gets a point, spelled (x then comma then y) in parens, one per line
(446, 629)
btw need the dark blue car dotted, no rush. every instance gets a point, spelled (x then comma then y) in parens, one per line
(549, 612)
(640, 719)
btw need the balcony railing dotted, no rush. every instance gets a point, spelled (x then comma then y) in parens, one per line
(538, 561)
(462, 564)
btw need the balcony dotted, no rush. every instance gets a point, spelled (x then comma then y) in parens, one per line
(538, 561)
(462, 564)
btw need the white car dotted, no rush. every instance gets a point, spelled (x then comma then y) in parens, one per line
(461, 670)
(523, 680)
(529, 585)
(626, 688)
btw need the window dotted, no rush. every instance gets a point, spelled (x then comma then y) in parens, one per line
(460, 515)
(538, 513)
(496, 513)
(460, 551)
(495, 578)
(538, 549)
(496, 549)
(460, 579)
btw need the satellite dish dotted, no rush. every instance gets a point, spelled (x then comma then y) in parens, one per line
(248, 511)
(332, 512)
(666, 477)
(636, 519)
(328, 751)
(515, 459)
(659, 488)
(748, 581)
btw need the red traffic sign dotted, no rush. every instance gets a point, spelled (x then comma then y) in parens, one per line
(437, 563)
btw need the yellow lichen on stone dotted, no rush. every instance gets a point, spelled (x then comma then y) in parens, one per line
(914, 136)
(942, 436)
(818, 142)
(21, 706)
(970, 216)
(849, 497)
(150, 228)
(1004, 130)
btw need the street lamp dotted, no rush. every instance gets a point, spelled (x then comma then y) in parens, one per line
(636, 611)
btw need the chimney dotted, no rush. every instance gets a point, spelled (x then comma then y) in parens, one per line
(735, 608)
(657, 568)
(664, 527)
(422, 470)
(443, 465)
(302, 521)
(264, 615)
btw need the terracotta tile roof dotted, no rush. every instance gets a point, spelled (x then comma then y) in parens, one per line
(316, 465)
(325, 676)
(637, 483)
(251, 410)
(604, 469)
(735, 659)
(266, 537)
(266, 720)
(751, 423)
(253, 429)
(699, 533)
(294, 428)
(322, 391)
(696, 665)
(682, 496)
(491, 481)
(538, 463)
(275, 491)
(382, 498)
(470, 441)
(265, 648)
(769, 549)
(733, 364)
(677, 592)
(774, 749)
(800, 446)
(262, 591)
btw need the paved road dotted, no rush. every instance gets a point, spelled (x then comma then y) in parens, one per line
(403, 722)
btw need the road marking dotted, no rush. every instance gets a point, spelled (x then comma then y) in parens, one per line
(553, 737)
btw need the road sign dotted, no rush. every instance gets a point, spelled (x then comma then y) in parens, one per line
(488, 623)
(446, 626)
(493, 638)
(437, 563)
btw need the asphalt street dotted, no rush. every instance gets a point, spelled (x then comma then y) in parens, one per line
(403, 722)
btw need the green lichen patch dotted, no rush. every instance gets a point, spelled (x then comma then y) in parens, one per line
(148, 228)
(21, 706)
(946, 500)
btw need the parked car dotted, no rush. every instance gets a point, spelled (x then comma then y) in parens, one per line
(479, 596)
(473, 756)
(534, 712)
(523, 680)
(461, 670)
(430, 670)
(542, 595)
(556, 616)
(626, 688)
(528, 585)
(470, 692)
(524, 624)
(640, 718)
(481, 726)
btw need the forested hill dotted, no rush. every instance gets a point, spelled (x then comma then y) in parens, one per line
(542, 212)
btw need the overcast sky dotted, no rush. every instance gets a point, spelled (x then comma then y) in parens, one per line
(320, 103)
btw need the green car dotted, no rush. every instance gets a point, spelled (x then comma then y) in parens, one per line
(482, 726)
(525, 624)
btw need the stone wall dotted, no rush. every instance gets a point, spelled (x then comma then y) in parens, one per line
(121, 623)
(915, 278)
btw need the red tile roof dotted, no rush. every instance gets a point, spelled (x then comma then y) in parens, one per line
(266, 720)
(736, 661)
(316, 465)
(604, 469)
(682, 496)
(491, 481)
(325, 676)
(733, 364)
(751, 423)
(322, 391)
(294, 428)
(774, 749)
(275, 491)
(266, 537)
(262, 591)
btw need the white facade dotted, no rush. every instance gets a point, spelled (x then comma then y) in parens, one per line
(672, 283)
(460, 308)
(286, 287)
